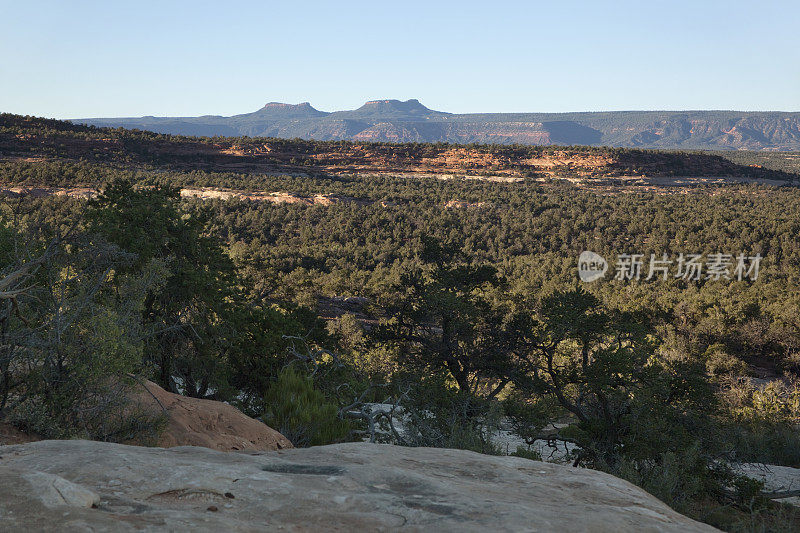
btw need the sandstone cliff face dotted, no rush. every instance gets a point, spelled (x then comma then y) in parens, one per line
(81, 485)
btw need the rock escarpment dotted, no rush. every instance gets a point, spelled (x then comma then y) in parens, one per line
(82, 485)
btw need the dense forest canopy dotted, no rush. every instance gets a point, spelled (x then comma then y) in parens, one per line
(341, 282)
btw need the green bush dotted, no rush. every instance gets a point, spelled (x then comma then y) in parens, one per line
(301, 412)
(70, 342)
(440, 416)
(762, 420)
(761, 441)
(675, 479)
(720, 362)
(527, 454)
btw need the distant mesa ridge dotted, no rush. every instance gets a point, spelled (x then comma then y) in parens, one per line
(279, 109)
(410, 121)
(409, 106)
(281, 105)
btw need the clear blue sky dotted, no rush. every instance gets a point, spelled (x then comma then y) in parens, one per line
(184, 58)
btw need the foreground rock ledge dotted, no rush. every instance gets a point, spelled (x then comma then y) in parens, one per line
(83, 485)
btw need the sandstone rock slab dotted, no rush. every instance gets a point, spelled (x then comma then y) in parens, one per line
(346, 487)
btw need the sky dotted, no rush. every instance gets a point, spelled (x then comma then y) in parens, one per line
(80, 59)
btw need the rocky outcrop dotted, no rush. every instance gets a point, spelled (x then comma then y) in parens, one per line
(184, 421)
(781, 483)
(82, 485)
(208, 193)
(207, 423)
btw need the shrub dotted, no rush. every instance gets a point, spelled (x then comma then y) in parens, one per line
(301, 413)
(525, 453)
(69, 344)
(439, 416)
(720, 362)
(675, 479)
(762, 420)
